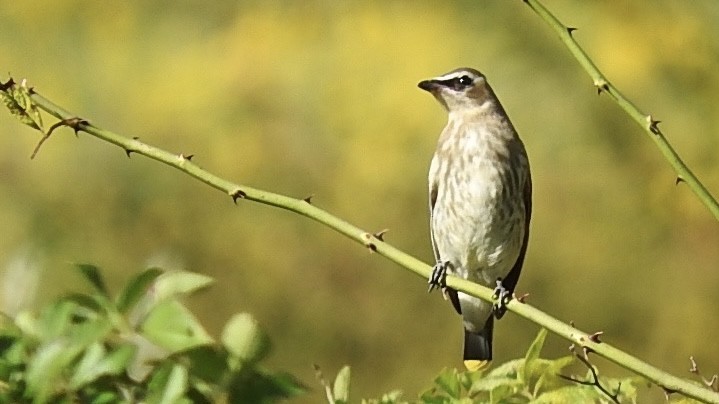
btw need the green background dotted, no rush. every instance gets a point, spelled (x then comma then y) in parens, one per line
(320, 97)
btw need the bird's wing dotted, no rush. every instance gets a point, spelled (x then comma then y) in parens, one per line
(510, 281)
(432, 201)
(449, 292)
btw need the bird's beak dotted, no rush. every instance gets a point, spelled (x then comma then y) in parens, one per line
(429, 85)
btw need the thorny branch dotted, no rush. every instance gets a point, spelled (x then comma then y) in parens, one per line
(72, 122)
(372, 241)
(646, 121)
(584, 358)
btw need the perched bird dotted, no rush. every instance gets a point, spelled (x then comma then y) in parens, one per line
(480, 203)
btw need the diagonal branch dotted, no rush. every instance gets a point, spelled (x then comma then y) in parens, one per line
(374, 243)
(646, 121)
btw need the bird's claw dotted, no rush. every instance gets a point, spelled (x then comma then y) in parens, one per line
(503, 297)
(438, 278)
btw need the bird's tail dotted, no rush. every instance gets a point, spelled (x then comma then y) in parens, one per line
(478, 347)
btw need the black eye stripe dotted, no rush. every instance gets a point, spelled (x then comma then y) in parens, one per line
(458, 83)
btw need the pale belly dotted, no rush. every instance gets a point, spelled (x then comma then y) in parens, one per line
(482, 239)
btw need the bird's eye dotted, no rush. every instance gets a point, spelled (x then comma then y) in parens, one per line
(460, 83)
(465, 80)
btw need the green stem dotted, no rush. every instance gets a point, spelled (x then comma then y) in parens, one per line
(647, 122)
(374, 243)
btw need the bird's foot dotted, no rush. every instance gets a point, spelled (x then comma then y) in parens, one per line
(438, 278)
(503, 297)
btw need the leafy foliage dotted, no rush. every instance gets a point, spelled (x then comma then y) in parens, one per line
(531, 379)
(17, 99)
(143, 345)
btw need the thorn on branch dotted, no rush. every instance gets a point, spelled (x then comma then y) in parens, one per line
(679, 180)
(694, 369)
(368, 242)
(521, 298)
(585, 350)
(595, 337)
(130, 151)
(601, 85)
(614, 396)
(188, 157)
(380, 234)
(667, 392)
(711, 383)
(570, 30)
(73, 123)
(653, 125)
(308, 198)
(238, 194)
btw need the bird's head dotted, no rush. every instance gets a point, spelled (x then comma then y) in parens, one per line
(461, 89)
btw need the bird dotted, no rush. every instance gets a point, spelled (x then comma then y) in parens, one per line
(480, 204)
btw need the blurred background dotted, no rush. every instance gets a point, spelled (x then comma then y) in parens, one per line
(319, 97)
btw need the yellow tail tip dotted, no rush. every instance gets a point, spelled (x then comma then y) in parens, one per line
(475, 365)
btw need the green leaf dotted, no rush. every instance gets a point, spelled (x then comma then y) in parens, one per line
(173, 283)
(285, 385)
(96, 363)
(508, 369)
(91, 303)
(532, 355)
(467, 379)
(168, 385)
(8, 326)
(84, 371)
(135, 289)
(341, 389)
(106, 397)
(506, 394)
(17, 99)
(55, 319)
(93, 275)
(548, 380)
(431, 397)
(572, 394)
(491, 383)
(28, 323)
(244, 339)
(13, 356)
(209, 363)
(171, 326)
(262, 387)
(449, 382)
(628, 389)
(392, 397)
(48, 363)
